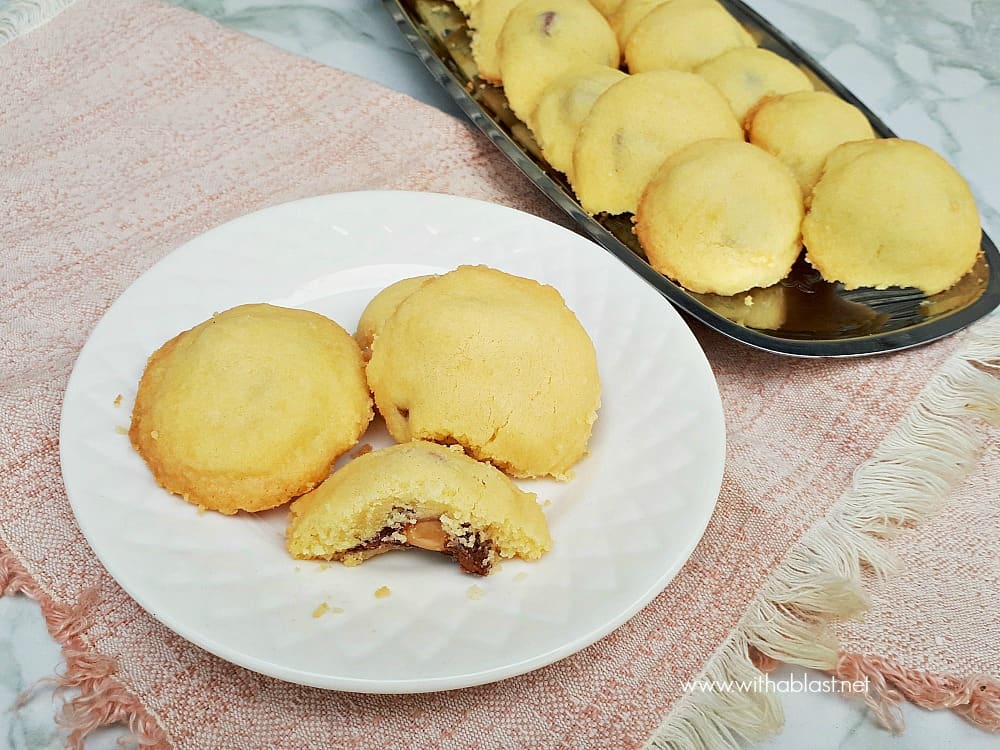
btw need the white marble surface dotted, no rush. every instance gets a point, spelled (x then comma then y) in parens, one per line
(929, 68)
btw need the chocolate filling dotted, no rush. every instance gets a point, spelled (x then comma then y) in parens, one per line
(473, 553)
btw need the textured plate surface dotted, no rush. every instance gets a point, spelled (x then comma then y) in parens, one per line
(802, 315)
(622, 527)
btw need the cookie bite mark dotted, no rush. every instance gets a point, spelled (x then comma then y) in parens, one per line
(471, 551)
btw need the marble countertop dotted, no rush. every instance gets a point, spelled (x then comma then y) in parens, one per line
(929, 68)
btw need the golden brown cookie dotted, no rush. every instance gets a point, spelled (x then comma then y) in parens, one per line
(543, 39)
(683, 34)
(746, 75)
(721, 217)
(889, 212)
(380, 308)
(418, 494)
(802, 128)
(493, 362)
(250, 408)
(563, 107)
(634, 126)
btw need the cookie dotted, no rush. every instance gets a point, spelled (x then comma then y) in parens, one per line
(634, 126)
(802, 128)
(746, 75)
(250, 408)
(493, 362)
(466, 6)
(721, 217)
(889, 212)
(563, 107)
(418, 494)
(380, 308)
(683, 34)
(628, 15)
(486, 19)
(543, 39)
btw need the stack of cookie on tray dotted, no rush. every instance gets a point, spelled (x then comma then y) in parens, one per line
(723, 152)
(480, 376)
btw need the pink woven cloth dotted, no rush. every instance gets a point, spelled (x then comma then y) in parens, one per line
(130, 127)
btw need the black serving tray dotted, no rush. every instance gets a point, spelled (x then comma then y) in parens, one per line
(802, 315)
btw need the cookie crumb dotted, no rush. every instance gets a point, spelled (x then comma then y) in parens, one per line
(201, 510)
(324, 566)
(748, 300)
(118, 400)
(520, 576)
(474, 592)
(321, 610)
(121, 430)
(547, 503)
(382, 592)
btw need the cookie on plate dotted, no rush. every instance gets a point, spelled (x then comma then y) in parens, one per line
(381, 307)
(543, 39)
(493, 362)
(721, 217)
(888, 212)
(746, 75)
(418, 494)
(802, 128)
(250, 408)
(683, 34)
(563, 107)
(634, 126)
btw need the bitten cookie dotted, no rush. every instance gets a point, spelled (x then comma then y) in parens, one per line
(721, 217)
(418, 494)
(493, 362)
(889, 212)
(683, 34)
(380, 308)
(746, 75)
(563, 107)
(543, 39)
(802, 128)
(250, 408)
(634, 126)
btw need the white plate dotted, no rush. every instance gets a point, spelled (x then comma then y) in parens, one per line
(622, 527)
